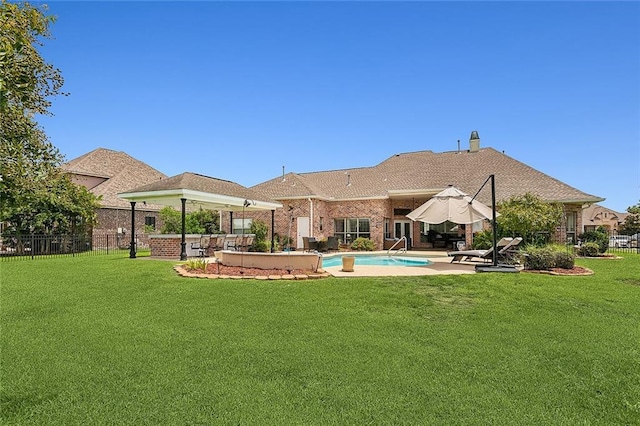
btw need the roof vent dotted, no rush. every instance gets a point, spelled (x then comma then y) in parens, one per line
(474, 142)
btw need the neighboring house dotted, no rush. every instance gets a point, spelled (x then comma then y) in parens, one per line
(597, 215)
(373, 201)
(106, 173)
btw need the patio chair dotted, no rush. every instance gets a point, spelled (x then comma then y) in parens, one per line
(231, 242)
(202, 246)
(309, 244)
(482, 254)
(332, 243)
(217, 242)
(246, 242)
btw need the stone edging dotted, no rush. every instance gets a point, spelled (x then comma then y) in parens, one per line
(184, 273)
(600, 257)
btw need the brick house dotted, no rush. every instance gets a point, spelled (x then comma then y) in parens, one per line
(105, 173)
(597, 215)
(373, 201)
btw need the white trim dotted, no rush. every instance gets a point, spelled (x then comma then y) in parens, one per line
(424, 191)
(215, 201)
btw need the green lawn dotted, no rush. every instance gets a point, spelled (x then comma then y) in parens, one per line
(110, 340)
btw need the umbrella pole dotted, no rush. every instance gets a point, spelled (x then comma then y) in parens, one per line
(494, 266)
(493, 220)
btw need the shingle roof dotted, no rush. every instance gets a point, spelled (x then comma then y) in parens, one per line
(197, 182)
(426, 172)
(200, 192)
(122, 171)
(598, 212)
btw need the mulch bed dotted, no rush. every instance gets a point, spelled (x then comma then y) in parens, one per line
(236, 271)
(576, 271)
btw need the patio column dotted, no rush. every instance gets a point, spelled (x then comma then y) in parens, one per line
(273, 219)
(183, 243)
(231, 222)
(132, 246)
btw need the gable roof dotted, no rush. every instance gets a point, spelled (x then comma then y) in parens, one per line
(120, 171)
(201, 190)
(423, 174)
(598, 213)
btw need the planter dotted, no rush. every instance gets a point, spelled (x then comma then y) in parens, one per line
(347, 263)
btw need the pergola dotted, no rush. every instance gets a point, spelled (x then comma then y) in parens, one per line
(197, 190)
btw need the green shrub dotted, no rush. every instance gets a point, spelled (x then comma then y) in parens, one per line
(363, 244)
(483, 240)
(589, 249)
(197, 222)
(261, 246)
(259, 229)
(260, 243)
(539, 258)
(564, 260)
(547, 257)
(149, 229)
(599, 236)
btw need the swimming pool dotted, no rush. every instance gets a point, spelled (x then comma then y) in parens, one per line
(376, 260)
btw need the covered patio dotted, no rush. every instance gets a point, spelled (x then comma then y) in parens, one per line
(191, 190)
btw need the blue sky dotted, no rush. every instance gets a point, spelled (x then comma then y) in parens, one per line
(236, 90)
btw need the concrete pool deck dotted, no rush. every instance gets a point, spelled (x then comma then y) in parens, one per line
(441, 265)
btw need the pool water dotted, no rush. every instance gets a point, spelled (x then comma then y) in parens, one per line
(376, 261)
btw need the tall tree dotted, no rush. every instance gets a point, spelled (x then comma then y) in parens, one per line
(631, 224)
(528, 215)
(29, 168)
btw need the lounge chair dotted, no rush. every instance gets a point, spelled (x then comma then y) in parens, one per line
(508, 253)
(482, 254)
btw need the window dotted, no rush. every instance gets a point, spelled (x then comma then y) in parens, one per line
(571, 228)
(401, 212)
(347, 230)
(441, 228)
(150, 222)
(238, 226)
(387, 227)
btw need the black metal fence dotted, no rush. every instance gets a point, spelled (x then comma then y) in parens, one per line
(624, 243)
(38, 246)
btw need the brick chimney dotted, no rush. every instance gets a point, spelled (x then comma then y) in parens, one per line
(474, 142)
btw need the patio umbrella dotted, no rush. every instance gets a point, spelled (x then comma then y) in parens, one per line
(452, 205)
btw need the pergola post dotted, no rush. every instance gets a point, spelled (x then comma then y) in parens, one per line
(183, 243)
(132, 246)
